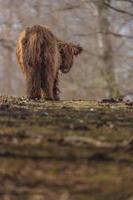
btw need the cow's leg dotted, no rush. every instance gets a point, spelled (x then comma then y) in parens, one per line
(56, 90)
(33, 83)
(47, 84)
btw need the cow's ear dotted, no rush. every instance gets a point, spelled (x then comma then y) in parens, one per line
(77, 49)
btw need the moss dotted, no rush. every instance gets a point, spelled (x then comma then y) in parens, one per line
(37, 163)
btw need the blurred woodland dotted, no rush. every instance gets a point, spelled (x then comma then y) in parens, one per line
(103, 27)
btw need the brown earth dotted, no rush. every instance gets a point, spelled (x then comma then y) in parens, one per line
(65, 150)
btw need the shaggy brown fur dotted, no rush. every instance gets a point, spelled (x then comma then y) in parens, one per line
(40, 55)
(67, 52)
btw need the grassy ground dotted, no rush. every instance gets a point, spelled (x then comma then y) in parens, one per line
(67, 150)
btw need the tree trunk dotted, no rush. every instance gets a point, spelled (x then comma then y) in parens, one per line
(106, 50)
(8, 64)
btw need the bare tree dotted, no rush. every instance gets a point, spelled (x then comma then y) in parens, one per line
(103, 27)
(106, 51)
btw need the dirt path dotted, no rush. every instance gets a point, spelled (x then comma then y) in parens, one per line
(76, 150)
